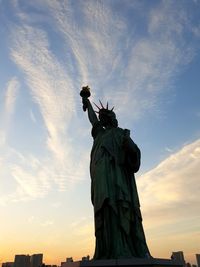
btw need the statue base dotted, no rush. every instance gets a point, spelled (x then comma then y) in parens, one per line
(134, 262)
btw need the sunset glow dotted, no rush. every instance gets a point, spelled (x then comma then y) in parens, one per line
(143, 58)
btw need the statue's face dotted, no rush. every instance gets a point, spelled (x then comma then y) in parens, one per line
(103, 119)
(108, 118)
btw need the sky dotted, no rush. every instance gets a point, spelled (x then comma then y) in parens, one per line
(141, 56)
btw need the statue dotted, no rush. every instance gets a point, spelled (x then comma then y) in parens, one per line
(114, 160)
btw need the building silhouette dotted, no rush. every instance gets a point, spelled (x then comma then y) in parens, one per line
(27, 261)
(198, 260)
(22, 261)
(36, 260)
(178, 255)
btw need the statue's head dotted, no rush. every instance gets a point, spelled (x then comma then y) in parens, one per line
(107, 117)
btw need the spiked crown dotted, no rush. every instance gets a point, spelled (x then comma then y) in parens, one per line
(106, 115)
(103, 109)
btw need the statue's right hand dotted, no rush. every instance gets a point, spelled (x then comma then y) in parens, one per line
(85, 103)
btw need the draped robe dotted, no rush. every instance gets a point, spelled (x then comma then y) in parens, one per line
(118, 221)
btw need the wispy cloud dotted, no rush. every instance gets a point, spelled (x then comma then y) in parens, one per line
(132, 63)
(11, 95)
(87, 30)
(10, 99)
(169, 192)
(133, 75)
(52, 90)
(169, 196)
(142, 66)
(157, 58)
(32, 177)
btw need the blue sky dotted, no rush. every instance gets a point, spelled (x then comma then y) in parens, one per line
(143, 57)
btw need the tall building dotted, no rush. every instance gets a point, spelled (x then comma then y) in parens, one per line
(198, 259)
(22, 261)
(36, 260)
(178, 255)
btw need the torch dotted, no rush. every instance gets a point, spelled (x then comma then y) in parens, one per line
(85, 93)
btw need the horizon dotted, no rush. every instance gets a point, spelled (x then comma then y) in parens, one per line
(140, 56)
(88, 258)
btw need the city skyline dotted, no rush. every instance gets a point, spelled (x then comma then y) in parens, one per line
(35, 260)
(143, 58)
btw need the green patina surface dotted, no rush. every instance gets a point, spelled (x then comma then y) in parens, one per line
(114, 160)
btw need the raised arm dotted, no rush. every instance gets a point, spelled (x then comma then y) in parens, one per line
(85, 93)
(91, 114)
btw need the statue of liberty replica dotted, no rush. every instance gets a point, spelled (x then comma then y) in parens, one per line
(114, 160)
